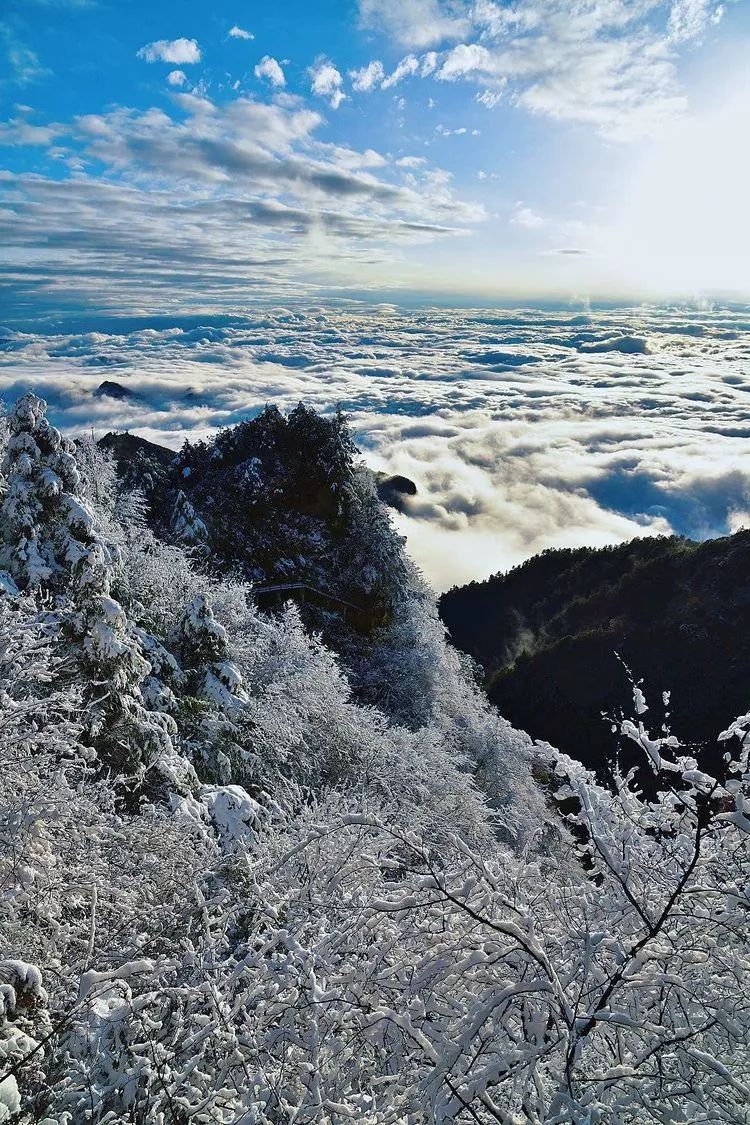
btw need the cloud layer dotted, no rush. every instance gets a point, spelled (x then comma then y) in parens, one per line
(210, 202)
(522, 429)
(612, 65)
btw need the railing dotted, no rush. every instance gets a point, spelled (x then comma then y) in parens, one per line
(301, 591)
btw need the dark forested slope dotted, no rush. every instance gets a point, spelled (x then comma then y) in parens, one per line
(278, 499)
(547, 634)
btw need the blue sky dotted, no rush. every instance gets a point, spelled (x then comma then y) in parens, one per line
(175, 156)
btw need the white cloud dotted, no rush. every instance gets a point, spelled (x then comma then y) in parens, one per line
(407, 67)
(20, 131)
(466, 59)
(460, 132)
(23, 65)
(524, 216)
(269, 69)
(414, 23)
(611, 64)
(327, 82)
(211, 204)
(240, 33)
(177, 78)
(367, 77)
(517, 444)
(689, 19)
(489, 98)
(171, 51)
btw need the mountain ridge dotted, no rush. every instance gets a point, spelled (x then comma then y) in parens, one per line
(553, 633)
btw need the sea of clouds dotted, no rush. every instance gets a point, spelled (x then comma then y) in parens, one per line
(523, 429)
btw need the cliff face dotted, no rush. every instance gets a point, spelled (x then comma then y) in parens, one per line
(548, 635)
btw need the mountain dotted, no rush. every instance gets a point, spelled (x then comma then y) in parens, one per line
(283, 501)
(548, 635)
(269, 863)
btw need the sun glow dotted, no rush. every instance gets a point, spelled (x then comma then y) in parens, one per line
(683, 221)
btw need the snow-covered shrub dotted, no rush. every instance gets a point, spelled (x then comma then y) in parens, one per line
(465, 985)
(338, 895)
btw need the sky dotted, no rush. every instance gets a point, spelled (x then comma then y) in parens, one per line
(178, 156)
(509, 239)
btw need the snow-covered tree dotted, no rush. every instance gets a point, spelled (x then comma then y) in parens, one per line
(53, 542)
(124, 731)
(186, 525)
(339, 895)
(202, 643)
(45, 525)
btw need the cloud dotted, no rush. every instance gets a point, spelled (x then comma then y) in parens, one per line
(23, 65)
(367, 77)
(516, 439)
(524, 216)
(209, 205)
(489, 98)
(21, 131)
(240, 33)
(177, 78)
(414, 23)
(466, 59)
(689, 19)
(611, 65)
(171, 51)
(327, 82)
(461, 131)
(407, 67)
(629, 345)
(269, 69)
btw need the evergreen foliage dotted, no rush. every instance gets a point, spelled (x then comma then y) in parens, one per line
(246, 876)
(548, 635)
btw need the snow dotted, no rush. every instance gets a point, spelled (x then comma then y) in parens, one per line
(260, 878)
(236, 815)
(10, 1098)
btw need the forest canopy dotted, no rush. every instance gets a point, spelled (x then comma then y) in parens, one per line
(267, 865)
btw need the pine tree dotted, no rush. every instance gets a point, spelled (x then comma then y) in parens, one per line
(202, 642)
(187, 526)
(52, 542)
(45, 525)
(122, 729)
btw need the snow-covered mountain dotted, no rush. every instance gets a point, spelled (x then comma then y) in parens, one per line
(276, 861)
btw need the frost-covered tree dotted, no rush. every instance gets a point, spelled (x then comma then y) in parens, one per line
(339, 895)
(44, 523)
(202, 644)
(53, 542)
(462, 985)
(186, 525)
(125, 732)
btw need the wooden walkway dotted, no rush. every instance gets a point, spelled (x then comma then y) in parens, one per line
(280, 592)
